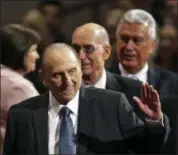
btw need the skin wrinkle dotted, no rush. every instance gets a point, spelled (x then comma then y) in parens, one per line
(62, 78)
(92, 63)
(142, 52)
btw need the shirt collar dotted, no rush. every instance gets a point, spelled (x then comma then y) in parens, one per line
(55, 106)
(101, 83)
(141, 75)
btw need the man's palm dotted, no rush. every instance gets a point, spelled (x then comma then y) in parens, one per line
(149, 103)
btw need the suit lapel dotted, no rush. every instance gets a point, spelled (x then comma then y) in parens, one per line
(111, 82)
(40, 121)
(153, 77)
(115, 69)
(85, 120)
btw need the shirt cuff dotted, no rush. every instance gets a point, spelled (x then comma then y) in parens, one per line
(161, 121)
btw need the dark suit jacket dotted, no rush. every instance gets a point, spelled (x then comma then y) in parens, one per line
(106, 125)
(170, 108)
(127, 86)
(164, 81)
(133, 88)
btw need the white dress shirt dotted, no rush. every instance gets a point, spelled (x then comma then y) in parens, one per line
(101, 83)
(141, 75)
(54, 120)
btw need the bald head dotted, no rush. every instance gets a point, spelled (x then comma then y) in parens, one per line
(61, 72)
(94, 31)
(91, 42)
(56, 53)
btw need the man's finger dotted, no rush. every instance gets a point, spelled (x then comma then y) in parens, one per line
(144, 93)
(152, 91)
(139, 103)
(148, 91)
(155, 95)
(156, 98)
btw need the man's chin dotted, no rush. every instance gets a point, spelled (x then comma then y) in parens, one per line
(68, 98)
(129, 65)
(86, 72)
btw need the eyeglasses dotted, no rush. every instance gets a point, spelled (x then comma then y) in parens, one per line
(86, 48)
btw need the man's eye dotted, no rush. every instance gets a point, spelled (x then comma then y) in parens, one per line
(77, 48)
(138, 40)
(56, 75)
(72, 70)
(88, 48)
(125, 39)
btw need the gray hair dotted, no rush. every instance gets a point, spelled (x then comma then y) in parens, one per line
(141, 17)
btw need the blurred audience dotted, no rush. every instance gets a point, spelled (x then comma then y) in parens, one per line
(164, 11)
(167, 49)
(18, 57)
(53, 12)
(170, 12)
(35, 20)
(112, 19)
(137, 42)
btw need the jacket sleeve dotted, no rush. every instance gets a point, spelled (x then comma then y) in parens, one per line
(10, 134)
(141, 136)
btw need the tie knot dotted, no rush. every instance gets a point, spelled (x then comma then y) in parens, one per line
(131, 76)
(64, 112)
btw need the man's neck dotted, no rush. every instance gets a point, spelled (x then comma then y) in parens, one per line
(92, 79)
(132, 70)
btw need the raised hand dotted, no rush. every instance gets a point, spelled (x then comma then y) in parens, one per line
(149, 103)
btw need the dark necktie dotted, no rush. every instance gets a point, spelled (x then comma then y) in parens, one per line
(131, 76)
(67, 136)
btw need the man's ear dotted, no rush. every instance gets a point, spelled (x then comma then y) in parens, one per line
(153, 47)
(107, 52)
(41, 75)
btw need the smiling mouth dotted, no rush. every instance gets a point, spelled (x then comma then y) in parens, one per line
(129, 57)
(85, 66)
(68, 89)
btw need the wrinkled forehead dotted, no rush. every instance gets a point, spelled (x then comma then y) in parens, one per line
(55, 58)
(64, 67)
(87, 36)
(135, 29)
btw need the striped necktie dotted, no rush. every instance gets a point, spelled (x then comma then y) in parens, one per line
(67, 142)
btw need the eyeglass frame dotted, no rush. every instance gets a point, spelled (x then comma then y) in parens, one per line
(84, 49)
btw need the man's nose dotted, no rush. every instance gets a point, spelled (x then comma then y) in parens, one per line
(67, 77)
(81, 54)
(130, 44)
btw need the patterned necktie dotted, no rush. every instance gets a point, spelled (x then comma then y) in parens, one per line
(67, 136)
(131, 76)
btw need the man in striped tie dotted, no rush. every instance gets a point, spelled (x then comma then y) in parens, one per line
(81, 120)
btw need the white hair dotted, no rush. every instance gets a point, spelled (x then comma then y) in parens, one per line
(141, 17)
